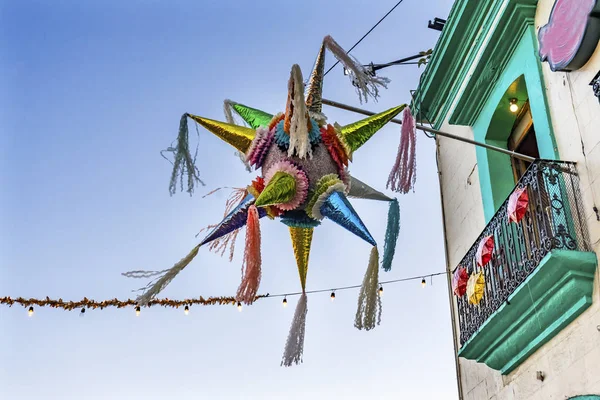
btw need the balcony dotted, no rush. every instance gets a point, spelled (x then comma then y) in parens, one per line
(541, 273)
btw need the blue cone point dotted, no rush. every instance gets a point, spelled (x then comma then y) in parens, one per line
(338, 209)
(234, 220)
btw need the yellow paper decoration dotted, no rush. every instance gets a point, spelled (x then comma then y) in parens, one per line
(239, 137)
(358, 133)
(475, 288)
(301, 240)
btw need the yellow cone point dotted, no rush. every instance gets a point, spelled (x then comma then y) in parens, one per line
(358, 133)
(301, 240)
(280, 189)
(239, 137)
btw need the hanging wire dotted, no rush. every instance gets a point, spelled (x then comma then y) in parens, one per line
(365, 35)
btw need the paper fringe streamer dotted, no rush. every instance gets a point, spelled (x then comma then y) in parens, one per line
(228, 111)
(366, 84)
(183, 163)
(260, 146)
(403, 174)
(299, 121)
(251, 272)
(220, 245)
(368, 314)
(391, 235)
(152, 289)
(294, 345)
(335, 148)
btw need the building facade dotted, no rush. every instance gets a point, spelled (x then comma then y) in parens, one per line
(523, 76)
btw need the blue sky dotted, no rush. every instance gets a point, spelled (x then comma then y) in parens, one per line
(92, 91)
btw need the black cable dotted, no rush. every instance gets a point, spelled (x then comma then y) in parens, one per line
(403, 61)
(365, 35)
(412, 278)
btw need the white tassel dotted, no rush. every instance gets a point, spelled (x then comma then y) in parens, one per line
(366, 84)
(368, 314)
(166, 278)
(298, 125)
(228, 111)
(294, 345)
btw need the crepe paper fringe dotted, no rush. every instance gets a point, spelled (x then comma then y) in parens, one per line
(346, 178)
(260, 145)
(337, 128)
(166, 276)
(366, 84)
(298, 219)
(322, 185)
(318, 117)
(220, 245)
(251, 271)
(335, 148)
(301, 183)
(404, 172)
(298, 120)
(283, 139)
(391, 235)
(368, 314)
(294, 345)
(228, 111)
(276, 120)
(183, 163)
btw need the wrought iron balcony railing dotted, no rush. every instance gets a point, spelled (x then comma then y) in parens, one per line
(554, 220)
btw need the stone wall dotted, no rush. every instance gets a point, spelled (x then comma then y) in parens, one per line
(571, 360)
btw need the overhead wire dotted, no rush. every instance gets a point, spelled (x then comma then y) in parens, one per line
(365, 35)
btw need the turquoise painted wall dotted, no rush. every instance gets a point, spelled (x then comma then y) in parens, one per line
(495, 123)
(586, 397)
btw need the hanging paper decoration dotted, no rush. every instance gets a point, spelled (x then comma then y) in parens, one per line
(485, 250)
(404, 172)
(475, 288)
(517, 205)
(459, 281)
(303, 179)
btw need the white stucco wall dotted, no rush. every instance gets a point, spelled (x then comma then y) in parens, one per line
(571, 360)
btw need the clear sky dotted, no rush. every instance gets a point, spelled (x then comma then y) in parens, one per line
(91, 92)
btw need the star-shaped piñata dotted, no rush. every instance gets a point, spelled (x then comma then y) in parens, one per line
(304, 180)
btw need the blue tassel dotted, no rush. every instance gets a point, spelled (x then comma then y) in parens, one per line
(391, 235)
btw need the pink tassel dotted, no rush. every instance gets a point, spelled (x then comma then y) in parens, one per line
(404, 172)
(251, 267)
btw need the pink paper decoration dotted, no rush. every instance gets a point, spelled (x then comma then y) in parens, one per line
(517, 205)
(485, 250)
(459, 281)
